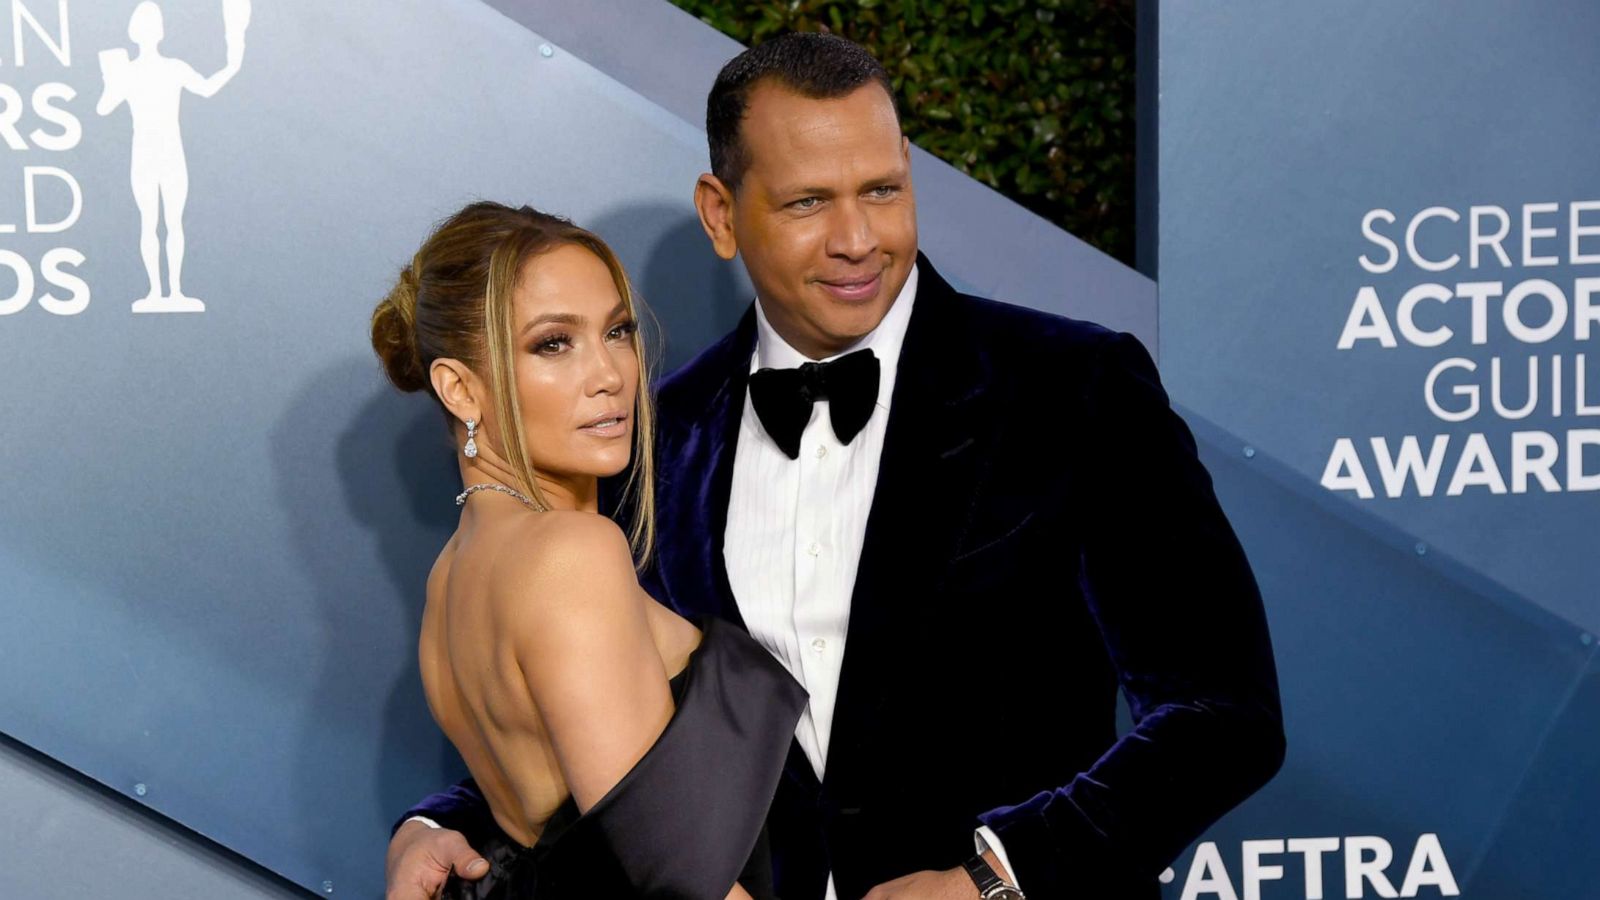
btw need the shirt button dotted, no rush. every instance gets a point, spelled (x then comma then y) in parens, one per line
(822, 450)
(819, 645)
(814, 549)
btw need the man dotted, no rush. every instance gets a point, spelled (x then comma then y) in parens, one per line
(962, 535)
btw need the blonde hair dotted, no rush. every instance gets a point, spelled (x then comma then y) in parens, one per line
(454, 302)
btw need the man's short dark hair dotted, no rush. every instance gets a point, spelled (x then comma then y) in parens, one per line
(819, 66)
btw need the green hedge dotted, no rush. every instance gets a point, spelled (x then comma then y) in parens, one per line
(1032, 97)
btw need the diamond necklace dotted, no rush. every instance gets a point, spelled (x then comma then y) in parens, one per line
(486, 486)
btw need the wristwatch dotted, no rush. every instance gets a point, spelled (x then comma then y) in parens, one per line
(990, 885)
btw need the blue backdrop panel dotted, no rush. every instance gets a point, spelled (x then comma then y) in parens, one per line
(1281, 128)
(1419, 699)
(1436, 648)
(216, 525)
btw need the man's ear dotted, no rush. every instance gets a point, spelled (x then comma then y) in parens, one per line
(458, 388)
(714, 202)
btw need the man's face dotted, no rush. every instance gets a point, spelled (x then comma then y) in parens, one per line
(825, 217)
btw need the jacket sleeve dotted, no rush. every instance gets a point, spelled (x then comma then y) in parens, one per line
(1181, 617)
(460, 807)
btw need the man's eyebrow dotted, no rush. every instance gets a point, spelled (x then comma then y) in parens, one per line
(807, 190)
(896, 177)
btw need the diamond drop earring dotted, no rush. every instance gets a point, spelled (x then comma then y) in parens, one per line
(471, 450)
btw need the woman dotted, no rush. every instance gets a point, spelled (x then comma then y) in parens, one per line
(622, 750)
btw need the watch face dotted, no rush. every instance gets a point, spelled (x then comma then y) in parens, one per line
(1005, 893)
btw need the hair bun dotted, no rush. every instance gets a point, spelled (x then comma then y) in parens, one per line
(394, 334)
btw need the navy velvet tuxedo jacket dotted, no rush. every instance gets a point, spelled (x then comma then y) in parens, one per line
(1042, 535)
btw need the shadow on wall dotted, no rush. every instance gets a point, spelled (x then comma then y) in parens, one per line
(694, 295)
(390, 465)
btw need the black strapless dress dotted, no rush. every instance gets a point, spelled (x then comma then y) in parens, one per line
(687, 820)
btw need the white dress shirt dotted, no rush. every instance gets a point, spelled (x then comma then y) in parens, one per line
(795, 528)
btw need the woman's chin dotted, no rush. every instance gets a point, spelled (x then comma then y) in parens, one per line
(611, 463)
(610, 471)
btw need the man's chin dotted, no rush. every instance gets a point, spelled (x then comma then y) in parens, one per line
(855, 321)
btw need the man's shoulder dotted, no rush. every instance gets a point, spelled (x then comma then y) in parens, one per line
(1015, 337)
(695, 383)
(1026, 321)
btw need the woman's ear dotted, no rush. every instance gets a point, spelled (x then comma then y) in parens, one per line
(713, 200)
(458, 388)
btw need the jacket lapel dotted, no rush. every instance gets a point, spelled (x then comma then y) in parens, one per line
(697, 475)
(927, 478)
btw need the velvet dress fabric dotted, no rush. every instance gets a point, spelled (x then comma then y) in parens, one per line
(1042, 536)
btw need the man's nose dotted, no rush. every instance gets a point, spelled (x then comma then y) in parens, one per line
(851, 235)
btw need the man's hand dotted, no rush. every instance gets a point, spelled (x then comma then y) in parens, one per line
(949, 884)
(420, 859)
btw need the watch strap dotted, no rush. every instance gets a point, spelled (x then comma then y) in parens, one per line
(983, 875)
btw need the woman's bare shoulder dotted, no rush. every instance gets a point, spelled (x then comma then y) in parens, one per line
(556, 543)
(566, 565)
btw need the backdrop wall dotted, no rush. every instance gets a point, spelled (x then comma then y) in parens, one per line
(1378, 250)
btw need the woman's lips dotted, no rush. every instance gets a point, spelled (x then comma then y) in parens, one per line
(615, 425)
(853, 290)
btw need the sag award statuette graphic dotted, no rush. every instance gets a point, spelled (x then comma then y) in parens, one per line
(152, 85)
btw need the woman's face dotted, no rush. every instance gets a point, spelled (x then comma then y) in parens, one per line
(576, 369)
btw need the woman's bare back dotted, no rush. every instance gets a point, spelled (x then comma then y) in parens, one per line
(507, 621)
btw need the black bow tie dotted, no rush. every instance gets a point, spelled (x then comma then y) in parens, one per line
(783, 397)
